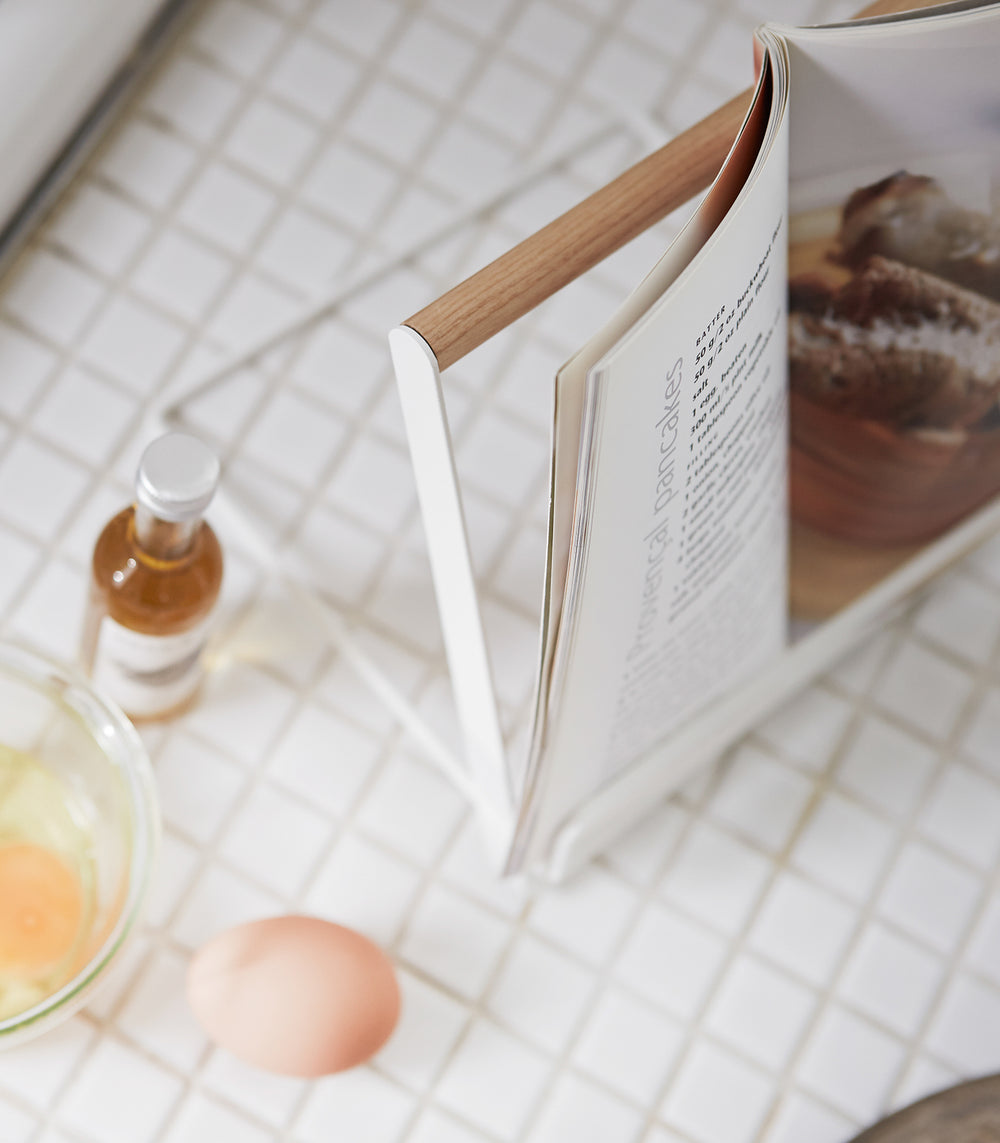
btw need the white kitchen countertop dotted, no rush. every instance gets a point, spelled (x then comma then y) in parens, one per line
(805, 937)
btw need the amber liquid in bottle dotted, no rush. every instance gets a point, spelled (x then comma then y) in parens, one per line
(154, 577)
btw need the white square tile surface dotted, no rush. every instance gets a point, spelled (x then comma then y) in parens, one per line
(804, 937)
(670, 961)
(628, 1046)
(204, 1120)
(760, 1011)
(693, 1104)
(851, 1063)
(891, 979)
(147, 163)
(156, 1017)
(118, 1096)
(193, 97)
(52, 296)
(494, 1080)
(455, 942)
(964, 1031)
(358, 1104)
(580, 1111)
(430, 1026)
(362, 886)
(101, 229)
(541, 994)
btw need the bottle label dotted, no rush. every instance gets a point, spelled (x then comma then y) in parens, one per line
(147, 675)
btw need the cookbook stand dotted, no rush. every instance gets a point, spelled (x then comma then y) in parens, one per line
(427, 344)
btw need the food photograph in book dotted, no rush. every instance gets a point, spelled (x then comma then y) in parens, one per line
(894, 368)
(894, 299)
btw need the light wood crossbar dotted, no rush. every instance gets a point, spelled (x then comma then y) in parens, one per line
(512, 285)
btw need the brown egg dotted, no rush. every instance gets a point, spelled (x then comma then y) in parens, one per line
(295, 995)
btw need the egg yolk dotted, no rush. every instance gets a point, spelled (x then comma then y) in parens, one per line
(41, 908)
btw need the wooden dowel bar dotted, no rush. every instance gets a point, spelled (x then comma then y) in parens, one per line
(571, 244)
(533, 270)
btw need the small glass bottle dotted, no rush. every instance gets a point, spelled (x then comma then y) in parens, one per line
(157, 570)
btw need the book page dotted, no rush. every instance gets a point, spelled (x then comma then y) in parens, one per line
(676, 583)
(571, 378)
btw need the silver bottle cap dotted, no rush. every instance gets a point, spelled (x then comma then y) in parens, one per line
(177, 477)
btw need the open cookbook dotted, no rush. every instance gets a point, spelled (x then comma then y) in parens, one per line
(791, 425)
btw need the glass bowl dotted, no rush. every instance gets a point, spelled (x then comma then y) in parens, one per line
(57, 735)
